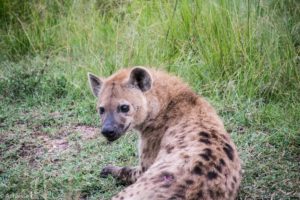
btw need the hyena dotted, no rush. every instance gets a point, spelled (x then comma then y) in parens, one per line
(184, 149)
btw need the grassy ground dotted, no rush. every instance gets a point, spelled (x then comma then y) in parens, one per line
(243, 56)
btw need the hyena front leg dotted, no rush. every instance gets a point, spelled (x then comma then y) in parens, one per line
(126, 174)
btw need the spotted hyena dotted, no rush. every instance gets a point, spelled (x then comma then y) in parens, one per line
(184, 150)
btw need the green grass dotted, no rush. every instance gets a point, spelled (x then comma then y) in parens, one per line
(243, 56)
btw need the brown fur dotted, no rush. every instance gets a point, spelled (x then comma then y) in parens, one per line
(184, 150)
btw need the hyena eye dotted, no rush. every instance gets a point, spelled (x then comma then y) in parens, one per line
(101, 110)
(124, 108)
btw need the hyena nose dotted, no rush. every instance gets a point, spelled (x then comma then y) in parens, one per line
(108, 131)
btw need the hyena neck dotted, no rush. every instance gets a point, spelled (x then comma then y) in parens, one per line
(168, 109)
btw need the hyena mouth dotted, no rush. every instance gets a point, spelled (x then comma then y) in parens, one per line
(118, 135)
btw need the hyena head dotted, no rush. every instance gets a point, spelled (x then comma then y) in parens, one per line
(122, 103)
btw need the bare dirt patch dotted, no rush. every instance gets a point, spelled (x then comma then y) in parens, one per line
(54, 145)
(29, 149)
(35, 143)
(87, 132)
(60, 144)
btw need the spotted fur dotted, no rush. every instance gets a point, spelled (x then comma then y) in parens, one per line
(184, 150)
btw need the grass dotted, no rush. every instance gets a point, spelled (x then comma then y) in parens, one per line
(243, 56)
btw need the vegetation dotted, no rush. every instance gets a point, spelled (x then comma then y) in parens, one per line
(242, 55)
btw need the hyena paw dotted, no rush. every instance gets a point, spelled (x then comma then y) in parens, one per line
(107, 171)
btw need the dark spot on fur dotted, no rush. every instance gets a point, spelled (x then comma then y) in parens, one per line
(200, 194)
(153, 145)
(189, 182)
(219, 168)
(219, 194)
(204, 134)
(171, 105)
(198, 169)
(207, 155)
(180, 191)
(222, 162)
(169, 148)
(181, 187)
(212, 175)
(191, 98)
(148, 129)
(229, 151)
(220, 165)
(234, 179)
(205, 140)
(166, 117)
(215, 194)
(214, 135)
(208, 151)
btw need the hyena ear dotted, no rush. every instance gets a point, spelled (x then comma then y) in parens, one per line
(140, 78)
(95, 83)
